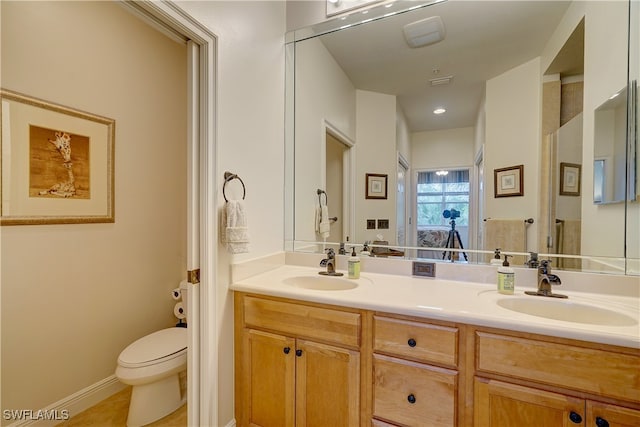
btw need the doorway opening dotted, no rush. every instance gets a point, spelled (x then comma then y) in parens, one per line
(338, 171)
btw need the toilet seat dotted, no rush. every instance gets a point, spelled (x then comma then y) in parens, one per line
(158, 347)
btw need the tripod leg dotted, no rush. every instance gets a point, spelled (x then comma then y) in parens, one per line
(461, 247)
(449, 239)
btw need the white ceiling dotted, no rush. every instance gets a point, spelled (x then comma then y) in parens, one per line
(483, 39)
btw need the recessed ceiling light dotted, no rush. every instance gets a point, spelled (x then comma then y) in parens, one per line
(439, 111)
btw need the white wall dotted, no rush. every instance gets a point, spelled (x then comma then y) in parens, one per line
(324, 94)
(513, 113)
(250, 136)
(74, 296)
(448, 148)
(375, 153)
(605, 73)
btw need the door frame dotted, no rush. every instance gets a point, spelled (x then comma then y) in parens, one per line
(202, 233)
(404, 164)
(348, 174)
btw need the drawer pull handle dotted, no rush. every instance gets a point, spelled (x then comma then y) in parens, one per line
(411, 342)
(411, 398)
(286, 350)
(298, 353)
(575, 417)
(601, 422)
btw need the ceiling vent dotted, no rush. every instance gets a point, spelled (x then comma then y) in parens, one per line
(441, 81)
(424, 32)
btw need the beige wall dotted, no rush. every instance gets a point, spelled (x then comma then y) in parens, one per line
(73, 296)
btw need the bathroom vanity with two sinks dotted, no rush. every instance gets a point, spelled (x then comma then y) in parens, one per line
(395, 350)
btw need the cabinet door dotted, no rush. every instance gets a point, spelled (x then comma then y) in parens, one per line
(499, 404)
(603, 415)
(327, 385)
(268, 380)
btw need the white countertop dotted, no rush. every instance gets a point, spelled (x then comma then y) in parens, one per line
(454, 301)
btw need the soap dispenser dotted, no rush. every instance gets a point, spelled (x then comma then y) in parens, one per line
(506, 278)
(353, 265)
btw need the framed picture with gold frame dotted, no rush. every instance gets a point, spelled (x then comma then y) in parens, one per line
(57, 163)
(509, 181)
(570, 179)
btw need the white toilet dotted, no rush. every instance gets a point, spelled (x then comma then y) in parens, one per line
(152, 365)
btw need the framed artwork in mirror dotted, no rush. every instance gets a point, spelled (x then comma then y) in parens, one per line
(570, 179)
(509, 181)
(376, 186)
(57, 163)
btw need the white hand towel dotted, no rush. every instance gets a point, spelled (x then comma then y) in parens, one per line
(236, 230)
(325, 226)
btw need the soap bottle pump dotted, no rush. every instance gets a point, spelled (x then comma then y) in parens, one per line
(496, 258)
(353, 265)
(506, 277)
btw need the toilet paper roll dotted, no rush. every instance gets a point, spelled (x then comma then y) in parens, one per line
(176, 294)
(178, 311)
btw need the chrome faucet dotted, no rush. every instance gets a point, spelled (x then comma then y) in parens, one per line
(545, 280)
(330, 263)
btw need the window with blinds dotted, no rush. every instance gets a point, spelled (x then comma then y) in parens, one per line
(437, 192)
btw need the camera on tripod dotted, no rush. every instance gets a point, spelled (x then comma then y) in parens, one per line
(451, 213)
(454, 236)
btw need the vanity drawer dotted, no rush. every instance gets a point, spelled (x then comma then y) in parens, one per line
(413, 394)
(591, 370)
(324, 324)
(417, 341)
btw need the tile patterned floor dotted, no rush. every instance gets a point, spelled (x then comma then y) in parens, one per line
(112, 412)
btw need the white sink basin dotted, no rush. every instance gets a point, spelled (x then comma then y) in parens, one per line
(321, 283)
(566, 310)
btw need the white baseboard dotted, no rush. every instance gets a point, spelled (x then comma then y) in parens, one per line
(231, 423)
(71, 405)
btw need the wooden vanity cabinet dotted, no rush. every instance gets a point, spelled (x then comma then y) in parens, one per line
(296, 364)
(306, 364)
(529, 380)
(415, 372)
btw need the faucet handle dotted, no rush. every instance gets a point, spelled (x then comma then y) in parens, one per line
(330, 253)
(533, 260)
(545, 266)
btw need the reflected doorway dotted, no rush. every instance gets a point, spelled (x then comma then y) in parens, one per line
(338, 184)
(401, 202)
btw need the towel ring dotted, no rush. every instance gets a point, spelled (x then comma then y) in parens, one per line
(320, 193)
(228, 176)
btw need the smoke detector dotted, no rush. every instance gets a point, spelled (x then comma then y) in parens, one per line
(424, 32)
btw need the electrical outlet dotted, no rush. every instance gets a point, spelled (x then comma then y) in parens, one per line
(424, 269)
(371, 224)
(383, 224)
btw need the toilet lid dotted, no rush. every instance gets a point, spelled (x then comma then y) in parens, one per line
(157, 345)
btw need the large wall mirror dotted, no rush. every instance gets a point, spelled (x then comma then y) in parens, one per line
(508, 164)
